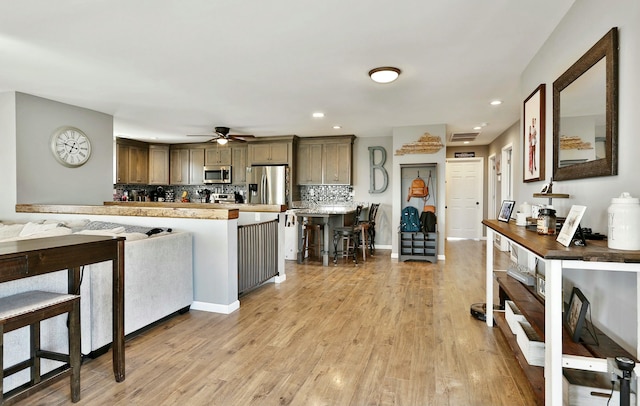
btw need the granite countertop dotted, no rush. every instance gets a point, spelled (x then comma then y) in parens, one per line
(243, 207)
(325, 210)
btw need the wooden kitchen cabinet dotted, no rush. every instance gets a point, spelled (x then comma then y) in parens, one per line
(309, 165)
(122, 163)
(239, 165)
(336, 163)
(186, 165)
(269, 153)
(179, 167)
(217, 155)
(131, 161)
(196, 166)
(158, 164)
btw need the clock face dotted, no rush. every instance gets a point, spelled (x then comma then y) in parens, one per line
(70, 146)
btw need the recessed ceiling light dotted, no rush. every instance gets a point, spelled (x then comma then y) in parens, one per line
(466, 142)
(318, 115)
(477, 127)
(496, 102)
(336, 127)
(384, 74)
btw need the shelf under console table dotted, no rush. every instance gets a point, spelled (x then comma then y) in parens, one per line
(559, 353)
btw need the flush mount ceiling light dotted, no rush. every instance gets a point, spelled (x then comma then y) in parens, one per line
(318, 115)
(496, 102)
(385, 74)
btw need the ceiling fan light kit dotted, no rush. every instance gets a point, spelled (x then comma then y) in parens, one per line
(384, 74)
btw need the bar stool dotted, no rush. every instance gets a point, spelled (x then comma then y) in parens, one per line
(316, 231)
(349, 238)
(29, 309)
(369, 228)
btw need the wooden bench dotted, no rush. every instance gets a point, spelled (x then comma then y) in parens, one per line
(29, 309)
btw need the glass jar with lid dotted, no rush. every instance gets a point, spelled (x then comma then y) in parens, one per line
(546, 221)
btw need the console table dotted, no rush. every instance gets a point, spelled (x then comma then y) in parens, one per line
(595, 256)
(27, 258)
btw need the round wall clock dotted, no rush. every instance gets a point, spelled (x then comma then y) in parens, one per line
(70, 146)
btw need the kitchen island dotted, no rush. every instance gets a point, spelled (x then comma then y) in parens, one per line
(332, 216)
(214, 227)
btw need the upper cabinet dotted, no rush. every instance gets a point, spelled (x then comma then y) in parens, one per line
(217, 155)
(277, 151)
(158, 164)
(238, 164)
(325, 160)
(186, 165)
(336, 163)
(309, 162)
(131, 161)
(179, 166)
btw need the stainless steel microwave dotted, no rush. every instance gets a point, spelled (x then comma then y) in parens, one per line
(217, 174)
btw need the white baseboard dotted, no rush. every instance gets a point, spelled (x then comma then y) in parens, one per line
(216, 308)
(280, 278)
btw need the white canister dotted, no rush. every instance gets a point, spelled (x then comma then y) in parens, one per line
(624, 223)
(525, 208)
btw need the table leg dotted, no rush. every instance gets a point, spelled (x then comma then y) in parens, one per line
(118, 314)
(325, 252)
(489, 278)
(299, 221)
(363, 240)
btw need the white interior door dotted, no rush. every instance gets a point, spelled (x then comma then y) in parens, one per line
(464, 198)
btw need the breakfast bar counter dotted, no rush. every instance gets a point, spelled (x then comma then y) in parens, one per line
(332, 216)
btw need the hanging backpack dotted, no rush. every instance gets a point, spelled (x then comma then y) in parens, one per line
(428, 221)
(410, 220)
(418, 188)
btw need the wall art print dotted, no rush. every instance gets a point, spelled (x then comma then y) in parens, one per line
(534, 135)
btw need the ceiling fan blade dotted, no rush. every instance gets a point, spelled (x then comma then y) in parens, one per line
(240, 137)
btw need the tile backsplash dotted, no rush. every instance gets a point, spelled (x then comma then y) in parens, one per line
(312, 194)
(323, 194)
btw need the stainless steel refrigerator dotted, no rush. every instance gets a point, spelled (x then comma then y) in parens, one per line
(267, 184)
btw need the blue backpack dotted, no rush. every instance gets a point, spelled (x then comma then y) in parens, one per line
(410, 220)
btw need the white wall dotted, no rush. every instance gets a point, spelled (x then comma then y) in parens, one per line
(613, 295)
(7, 153)
(361, 183)
(40, 178)
(404, 135)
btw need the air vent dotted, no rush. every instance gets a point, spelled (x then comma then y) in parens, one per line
(455, 137)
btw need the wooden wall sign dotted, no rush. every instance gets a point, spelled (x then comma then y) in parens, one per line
(427, 144)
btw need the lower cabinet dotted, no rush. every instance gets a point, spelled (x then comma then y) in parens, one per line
(418, 246)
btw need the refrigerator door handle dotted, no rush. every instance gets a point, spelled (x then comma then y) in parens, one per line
(264, 185)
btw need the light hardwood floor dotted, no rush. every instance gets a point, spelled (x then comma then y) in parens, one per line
(381, 333)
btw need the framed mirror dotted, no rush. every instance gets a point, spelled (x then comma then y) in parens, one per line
(585, 114)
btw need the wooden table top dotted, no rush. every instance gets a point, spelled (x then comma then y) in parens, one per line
(546, 246)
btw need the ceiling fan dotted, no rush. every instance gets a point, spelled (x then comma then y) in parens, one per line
(222, 136)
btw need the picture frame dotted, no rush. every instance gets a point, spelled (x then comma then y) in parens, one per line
(506, 210)
(571, 224)
(574, 317)
(533, 133)
(540, 287)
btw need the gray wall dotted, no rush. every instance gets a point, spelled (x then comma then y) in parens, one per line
(613, 295)
(361, 182)
(40, 177)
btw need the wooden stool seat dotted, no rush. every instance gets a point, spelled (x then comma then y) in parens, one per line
(29, 309)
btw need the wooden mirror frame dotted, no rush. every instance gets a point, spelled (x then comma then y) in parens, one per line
(606, 47)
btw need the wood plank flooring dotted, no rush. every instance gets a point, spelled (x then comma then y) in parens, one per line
(381, 333)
